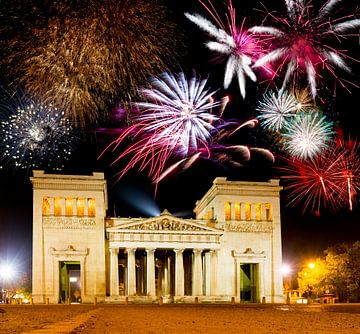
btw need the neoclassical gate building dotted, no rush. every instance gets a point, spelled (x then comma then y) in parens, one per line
(232, 249)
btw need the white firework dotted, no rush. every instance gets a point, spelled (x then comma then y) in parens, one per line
(36, 136)
(307, 134)
(178, 111)
(238, 44)
(276, 109)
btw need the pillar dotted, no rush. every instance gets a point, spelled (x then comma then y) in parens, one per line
(131, 279)
(207, 273)
(198, 273)
(179, 272)
(243, 211)
(150, 272)
(51, 200)
(213, 278)
(263, 211)
(253, 211)
(114, 272)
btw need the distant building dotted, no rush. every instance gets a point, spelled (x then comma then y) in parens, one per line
(232, 248)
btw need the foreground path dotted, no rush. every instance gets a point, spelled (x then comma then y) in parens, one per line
(76, 319)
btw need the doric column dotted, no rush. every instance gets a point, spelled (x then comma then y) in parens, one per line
(114, 272)
(86, 213)
(207, 273)
(243, 211)
(51, 200)
(131, 279)
(253, 211)
(150, 272)
(263, 211)
(198, 273)
(213, 278)
(179, 272)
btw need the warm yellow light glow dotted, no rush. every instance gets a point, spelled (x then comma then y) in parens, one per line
(46, 206)
(237, 211)
(80, 204)
(258, 211)
(69, 206)
(248, 211)
(227, 211)
(57, 206)
(91, 207)
(7, 272)
(311, 265)
(268, 210)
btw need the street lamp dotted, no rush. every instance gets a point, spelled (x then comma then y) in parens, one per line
(7, 274)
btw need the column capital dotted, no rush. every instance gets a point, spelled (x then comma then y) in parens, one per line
(213, 251)
(150, 250)
(178, 250)
(131, 250)
(196, 250)
(114, 250)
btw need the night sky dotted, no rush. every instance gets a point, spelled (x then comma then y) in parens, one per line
(305, 236)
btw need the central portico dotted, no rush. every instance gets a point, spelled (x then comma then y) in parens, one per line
(162, 256)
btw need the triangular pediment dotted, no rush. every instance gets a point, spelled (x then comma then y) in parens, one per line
(164, 222)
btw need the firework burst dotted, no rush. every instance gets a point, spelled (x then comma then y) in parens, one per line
(301, 42)
(331, 180)
(36, 136)
(276, 109)
(232, 41)
(80, 59)
(179, 121)
(307, 134)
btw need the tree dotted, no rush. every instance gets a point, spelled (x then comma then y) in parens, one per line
(338, 272)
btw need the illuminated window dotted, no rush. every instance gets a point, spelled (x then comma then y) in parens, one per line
(80, 204)
(227, 211)
(237, 211)
(248, 211)
(57, 206)
(46, 206)
(69, 206)
(91, 207)
(268, 210)
(258, 211)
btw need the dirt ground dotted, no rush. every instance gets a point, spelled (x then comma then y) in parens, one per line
(200, 318)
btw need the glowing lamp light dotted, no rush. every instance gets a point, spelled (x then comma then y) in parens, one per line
(73, 279)
(7, 272)
(286, 270)
(311, 265)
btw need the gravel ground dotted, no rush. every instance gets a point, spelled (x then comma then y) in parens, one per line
(201, 318)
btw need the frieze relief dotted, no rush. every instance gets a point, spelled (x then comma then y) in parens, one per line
(248, 227)
(69, 222)
(164, 225)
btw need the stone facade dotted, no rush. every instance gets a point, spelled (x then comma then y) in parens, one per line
(231, 251)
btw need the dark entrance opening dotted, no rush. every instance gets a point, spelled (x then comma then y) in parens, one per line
(249, 282)
(70, 282)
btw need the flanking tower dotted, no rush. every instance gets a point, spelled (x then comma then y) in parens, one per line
(68, 237)
(250, 258)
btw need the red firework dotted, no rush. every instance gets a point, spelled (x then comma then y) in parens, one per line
(331, 180)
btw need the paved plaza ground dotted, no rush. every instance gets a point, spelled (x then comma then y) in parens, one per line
(182, 319)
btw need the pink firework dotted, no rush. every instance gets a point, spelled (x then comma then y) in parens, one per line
(331, 180)
(303, 42)
(232, 41)
(178, 124)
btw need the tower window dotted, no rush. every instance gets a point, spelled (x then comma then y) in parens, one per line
(69, 206)
(258, 211)
(57, 206)
(227, 211)
(248, 211)
(80, 205)
(237, 211)
(91, 207)
(46, 206)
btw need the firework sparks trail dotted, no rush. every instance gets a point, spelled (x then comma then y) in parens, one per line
(36, 136)
(233, 41)
(179, 121)
(307, 134)
(303, 42)
(331, 180)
